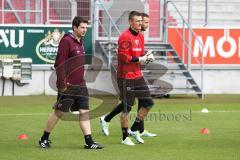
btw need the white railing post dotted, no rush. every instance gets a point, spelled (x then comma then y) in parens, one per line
(47, 10)
(74, 8)
(92, 19)
(183, 46)
(109, 43)
(206, 13)
(27, 11)
(38, 13)
(96, 19)
(42, 11)
(165, 17)
(189, 34)
(3, 7)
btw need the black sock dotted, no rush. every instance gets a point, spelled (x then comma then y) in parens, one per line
(115, 112)
(139, 105)
(45, 135)
(137, 125)
(141, 128)
(88, 139)
(124, 133)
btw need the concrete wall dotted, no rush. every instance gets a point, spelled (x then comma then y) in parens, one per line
(220, 81)
(216, 82)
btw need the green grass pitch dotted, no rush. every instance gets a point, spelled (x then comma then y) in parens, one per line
(178, 132)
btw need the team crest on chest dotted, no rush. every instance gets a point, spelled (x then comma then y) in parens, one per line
(136, 41)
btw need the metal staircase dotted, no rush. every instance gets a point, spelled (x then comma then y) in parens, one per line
(175, 70)
(167, 75)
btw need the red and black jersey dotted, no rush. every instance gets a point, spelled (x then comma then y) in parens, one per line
(130, 45)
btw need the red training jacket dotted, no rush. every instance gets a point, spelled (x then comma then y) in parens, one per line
(69, 64)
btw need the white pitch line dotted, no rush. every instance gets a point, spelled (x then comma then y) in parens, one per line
(24, 114)
(217, 111)
(166, 112)
(196, 112)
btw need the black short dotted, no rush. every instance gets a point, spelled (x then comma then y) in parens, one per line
(132, 88)
(73, 99)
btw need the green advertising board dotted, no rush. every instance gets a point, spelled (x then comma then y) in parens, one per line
(37, 42)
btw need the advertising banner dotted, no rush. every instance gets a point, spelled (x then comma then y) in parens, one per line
(37, 42)
(220, 46)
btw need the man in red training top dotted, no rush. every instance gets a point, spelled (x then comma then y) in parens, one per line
(105, 120)
(129, 77)
(72, 90)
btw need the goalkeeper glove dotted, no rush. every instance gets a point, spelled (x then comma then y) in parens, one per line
(150, 58)
(143, 59)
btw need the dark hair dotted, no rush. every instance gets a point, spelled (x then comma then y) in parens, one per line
(144, 15)
(77, 21)
(132, 14)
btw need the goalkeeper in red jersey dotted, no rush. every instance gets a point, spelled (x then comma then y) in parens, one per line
(130, 79)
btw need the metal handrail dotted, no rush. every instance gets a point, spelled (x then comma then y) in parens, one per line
(110, 17)
(185, 22)
(121, 17)
(15, 13)
(104, 29)
(187, 43)
(112, 25)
